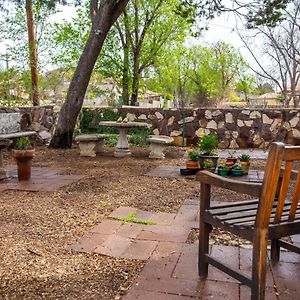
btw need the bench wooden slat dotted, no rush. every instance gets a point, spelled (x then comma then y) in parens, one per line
(295, 199)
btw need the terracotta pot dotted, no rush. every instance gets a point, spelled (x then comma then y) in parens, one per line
(245, 166)
(232, 160)
(24, 159)
(191, 165)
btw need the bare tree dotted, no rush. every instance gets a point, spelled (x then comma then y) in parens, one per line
(279, 58)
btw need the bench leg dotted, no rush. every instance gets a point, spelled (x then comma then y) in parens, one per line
(259, 267)
(100, 146)
(275, 251)
(3, 173)
(156, 151)
(87, 149)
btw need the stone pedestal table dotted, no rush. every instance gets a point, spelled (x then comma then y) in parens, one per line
(122, 148)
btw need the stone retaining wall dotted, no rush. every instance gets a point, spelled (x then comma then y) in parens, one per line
(236, 128)
(39, 119)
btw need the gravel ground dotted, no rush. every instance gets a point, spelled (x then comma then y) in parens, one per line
(37, 227)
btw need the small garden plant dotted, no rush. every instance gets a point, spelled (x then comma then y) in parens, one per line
(23, 143)
(222, 165)
(208, 164)
(208, 144)
(193, 155)
(244, 158)
(232, 153)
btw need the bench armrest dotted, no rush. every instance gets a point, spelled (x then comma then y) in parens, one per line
(249, 188)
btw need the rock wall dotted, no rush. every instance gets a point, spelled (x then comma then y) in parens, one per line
(40, 119)
(236, 128)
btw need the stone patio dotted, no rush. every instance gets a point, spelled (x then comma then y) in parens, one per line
(170, 272)
(42, 179)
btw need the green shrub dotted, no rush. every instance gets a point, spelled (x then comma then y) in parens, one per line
(208, 144)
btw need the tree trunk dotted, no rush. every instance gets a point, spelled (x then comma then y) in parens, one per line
(104, 14)
(32, 54)
(125, 79)
(135, 78)
(71, 108)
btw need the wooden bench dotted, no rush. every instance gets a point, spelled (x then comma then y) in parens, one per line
(10, 126)
(158, 144)
(271, 217)
(90, 144)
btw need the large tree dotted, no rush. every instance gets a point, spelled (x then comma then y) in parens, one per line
(146, 29)
(104, 14)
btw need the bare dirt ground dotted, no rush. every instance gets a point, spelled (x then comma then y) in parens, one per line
(37, 227)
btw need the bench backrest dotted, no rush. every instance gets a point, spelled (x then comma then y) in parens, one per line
(282, 159)
(9, 122)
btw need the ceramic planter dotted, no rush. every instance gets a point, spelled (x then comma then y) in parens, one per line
(24, 160)
(237, 172)
(222, 172)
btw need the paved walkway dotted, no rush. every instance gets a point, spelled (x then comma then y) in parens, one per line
(170, 272)
(42, 179)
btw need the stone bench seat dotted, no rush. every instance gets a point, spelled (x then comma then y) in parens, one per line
(16, 134)
(158, 144)
(90, 144)
(10, 126)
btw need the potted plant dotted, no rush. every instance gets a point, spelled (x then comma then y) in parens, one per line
(23, 153)
(209, 164)
(245, 162)
(231, 157)
(208, 145)
(223, 169)
(193, 162)
(237, 170)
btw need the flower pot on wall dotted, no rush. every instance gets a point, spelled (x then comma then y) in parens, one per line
(24, 161)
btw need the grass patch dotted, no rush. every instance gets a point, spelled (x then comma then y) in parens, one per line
(132, 219)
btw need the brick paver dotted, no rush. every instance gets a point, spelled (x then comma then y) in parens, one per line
(88, 243)
(114, 246)
(170, 272)
(219, 291)
(42, 179)
(140, 250)
(164, 233)
(146, 295)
